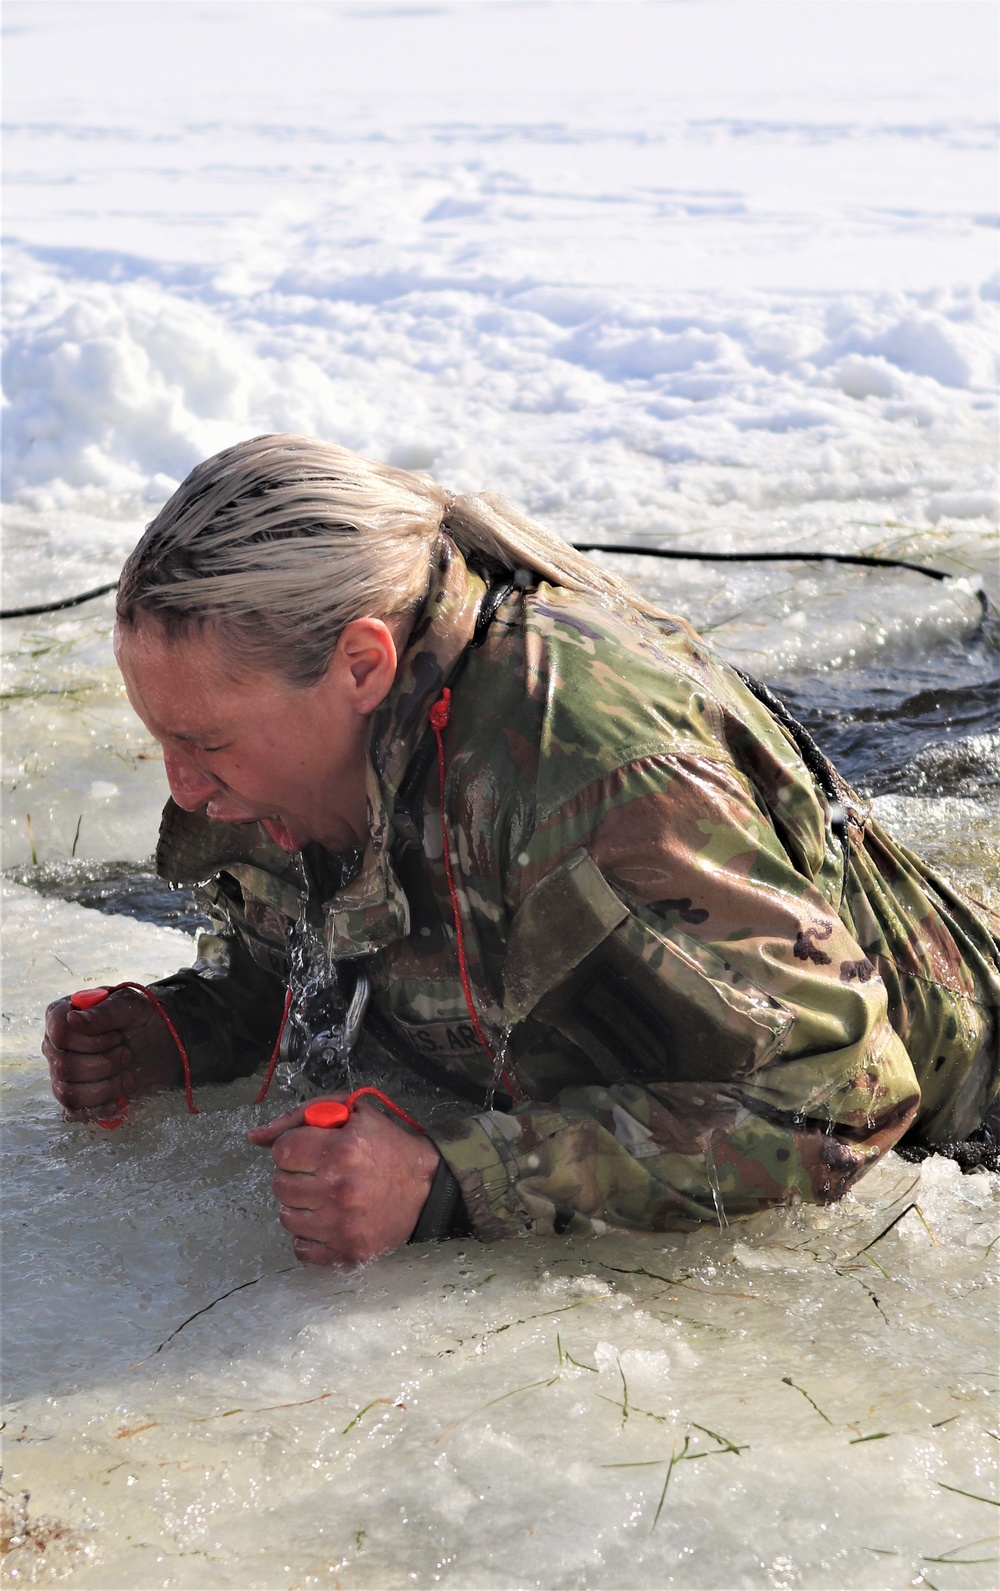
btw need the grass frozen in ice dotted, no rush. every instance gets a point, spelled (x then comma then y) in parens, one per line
(192, 1409)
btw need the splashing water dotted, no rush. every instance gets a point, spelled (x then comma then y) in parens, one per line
(712, 1173)
(315, 1047)
(499, 1066)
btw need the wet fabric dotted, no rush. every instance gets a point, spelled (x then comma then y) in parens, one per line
(705, 1009)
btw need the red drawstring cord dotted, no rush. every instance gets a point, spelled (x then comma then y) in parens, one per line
(272, 1063)
(440, 716)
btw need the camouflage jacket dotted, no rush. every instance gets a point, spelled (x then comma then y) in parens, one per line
(708, 1004)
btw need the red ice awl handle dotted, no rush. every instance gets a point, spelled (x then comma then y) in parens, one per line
(86, 999)
(83, 999)
(336, 1112)
(327, 1113)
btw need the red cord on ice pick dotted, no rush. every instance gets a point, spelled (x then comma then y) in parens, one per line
(86, 999)
(272, 1063)
(440, 716)
(321, 1113)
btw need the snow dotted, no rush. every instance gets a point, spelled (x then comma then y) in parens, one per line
(707, 274)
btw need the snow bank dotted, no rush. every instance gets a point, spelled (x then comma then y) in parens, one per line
(593, 408)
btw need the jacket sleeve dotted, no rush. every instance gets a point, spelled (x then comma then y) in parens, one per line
(227, 1009)
(730, 1035)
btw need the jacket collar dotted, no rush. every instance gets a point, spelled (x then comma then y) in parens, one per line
(372, 910)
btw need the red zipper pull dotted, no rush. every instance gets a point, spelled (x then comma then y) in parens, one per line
(440, 714)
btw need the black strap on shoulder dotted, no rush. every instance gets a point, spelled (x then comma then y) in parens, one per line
(818, 765)
(813, 758)
(420, 762)
(490, 606)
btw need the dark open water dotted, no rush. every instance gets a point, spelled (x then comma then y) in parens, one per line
(925, 725)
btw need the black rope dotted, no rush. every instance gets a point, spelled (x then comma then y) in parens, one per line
(819, 766)
(865, 560)
(55, 607)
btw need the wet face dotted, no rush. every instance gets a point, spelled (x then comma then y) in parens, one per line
(255, 747)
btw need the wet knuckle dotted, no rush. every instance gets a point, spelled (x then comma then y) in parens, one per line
(350, 1193)
(346, 1155)
(312, 1253)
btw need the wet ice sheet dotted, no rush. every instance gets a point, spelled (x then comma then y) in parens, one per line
(195, 1410)
(81, 776)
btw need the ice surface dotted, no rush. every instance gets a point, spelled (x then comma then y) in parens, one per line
(460, 1415)
(711, 275)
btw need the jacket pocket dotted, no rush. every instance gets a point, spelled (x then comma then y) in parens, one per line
(644, 1005)
(561, 920)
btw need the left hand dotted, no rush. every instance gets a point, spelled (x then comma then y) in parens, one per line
(347, 1193)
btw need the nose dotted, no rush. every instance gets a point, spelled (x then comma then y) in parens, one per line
(189, 787)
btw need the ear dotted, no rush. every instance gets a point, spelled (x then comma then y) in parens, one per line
(364, 663)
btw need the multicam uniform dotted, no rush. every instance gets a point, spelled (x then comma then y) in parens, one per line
(706, 1001)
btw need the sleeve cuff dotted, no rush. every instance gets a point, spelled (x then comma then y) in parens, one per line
(444, 1214)
(481, 1152)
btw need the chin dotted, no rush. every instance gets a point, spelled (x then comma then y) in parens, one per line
(282, 835)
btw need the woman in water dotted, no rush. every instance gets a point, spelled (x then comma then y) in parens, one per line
(595, 878)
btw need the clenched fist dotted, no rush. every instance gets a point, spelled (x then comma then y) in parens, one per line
(120, 1047)
(347, 1193)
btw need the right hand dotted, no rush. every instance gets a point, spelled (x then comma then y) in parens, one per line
(119, 1048)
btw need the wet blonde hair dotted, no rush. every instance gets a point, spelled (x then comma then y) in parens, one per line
(282, 540)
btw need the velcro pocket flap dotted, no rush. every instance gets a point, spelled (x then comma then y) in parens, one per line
(560, 922)
(651, 1005)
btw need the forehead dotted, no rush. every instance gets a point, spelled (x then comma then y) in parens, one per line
(184, 684)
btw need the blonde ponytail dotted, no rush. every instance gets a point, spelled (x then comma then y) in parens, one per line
(282, 540)
(485, 523)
